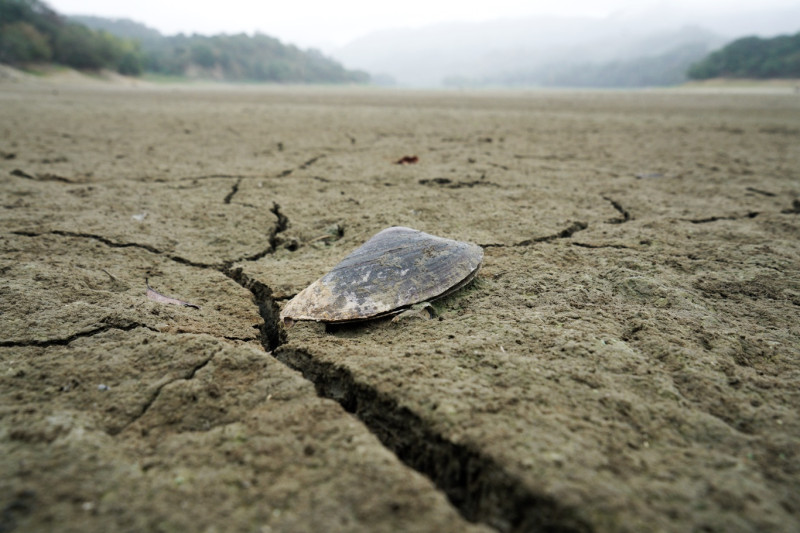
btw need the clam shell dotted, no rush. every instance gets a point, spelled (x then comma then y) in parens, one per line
(396, 268)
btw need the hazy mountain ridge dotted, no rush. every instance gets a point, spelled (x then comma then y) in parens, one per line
(541, 50)
(668, 57)
(32, 32)
(752, 57)
(244, 57)
(124, 28)
(647, 45)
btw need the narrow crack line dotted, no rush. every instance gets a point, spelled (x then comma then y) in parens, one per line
(197, 368)
(230, 338)
(595, 246)
(481, 489)
(239, 177)
(156, 393)
(760, 191)
(41, 176)
(303, 166)
(115, 244)
(311, 162)
(252, 257)
(237, 339)
(189, 262)
(22, 174)
(794, 210)
(626, 216)
(282, 224)
(75, 336)
(234, 190)
(100, 238)
(283, 220)
(566, 233)
(447, 183)
(751, 214)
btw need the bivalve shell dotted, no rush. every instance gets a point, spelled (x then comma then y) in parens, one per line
(395, 269)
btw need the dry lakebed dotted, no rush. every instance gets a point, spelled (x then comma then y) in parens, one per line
(626, 359)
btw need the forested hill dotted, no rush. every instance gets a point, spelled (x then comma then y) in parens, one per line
(232, 57)
(30, 31)
(122, 28)
(752, 57)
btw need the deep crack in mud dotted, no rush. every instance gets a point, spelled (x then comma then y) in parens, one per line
(474, 483)
(272, 335)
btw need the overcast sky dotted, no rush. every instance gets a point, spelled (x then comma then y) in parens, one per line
(328, 23)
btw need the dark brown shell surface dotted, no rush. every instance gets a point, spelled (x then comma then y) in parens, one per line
(396, 268)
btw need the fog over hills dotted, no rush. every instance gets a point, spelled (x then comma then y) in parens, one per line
(649, 45)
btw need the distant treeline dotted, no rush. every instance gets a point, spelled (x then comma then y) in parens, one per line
(232, 57)
(660, 70)
(652, 71)
(752, 57)
(32, 32)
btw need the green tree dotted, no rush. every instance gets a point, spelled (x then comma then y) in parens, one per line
(76, 46)
(130, 61)
(22, 43)
(752, 57)
(31, 31)
(203, 55)
(33, 12)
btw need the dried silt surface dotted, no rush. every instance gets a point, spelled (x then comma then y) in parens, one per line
(626, 359)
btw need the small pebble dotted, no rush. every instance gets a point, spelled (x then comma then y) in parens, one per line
(102, 387)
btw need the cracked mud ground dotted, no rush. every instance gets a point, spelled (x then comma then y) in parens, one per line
(626, 360)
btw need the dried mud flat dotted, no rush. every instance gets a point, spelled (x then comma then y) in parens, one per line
(626, 360)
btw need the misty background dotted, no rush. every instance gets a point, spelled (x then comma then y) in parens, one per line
(646, 46)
